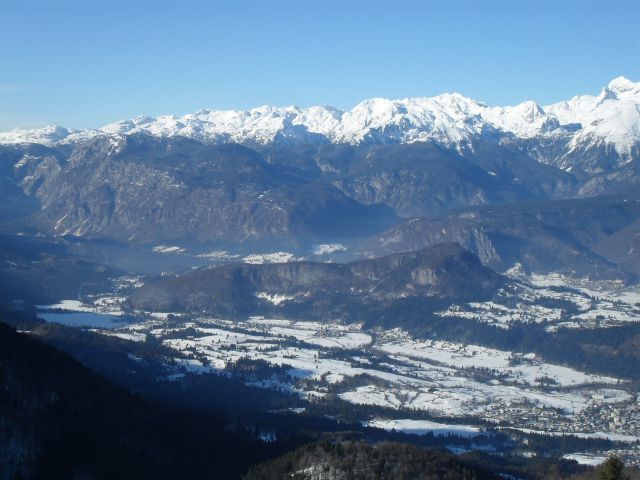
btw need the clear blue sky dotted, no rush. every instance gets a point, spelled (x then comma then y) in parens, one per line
(85, 63)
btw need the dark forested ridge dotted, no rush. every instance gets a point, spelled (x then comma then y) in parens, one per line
(60, 420)
(440, 271)
(39, 270)
(362, 461)
(349, 460)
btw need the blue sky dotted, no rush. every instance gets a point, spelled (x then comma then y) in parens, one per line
(88, 63)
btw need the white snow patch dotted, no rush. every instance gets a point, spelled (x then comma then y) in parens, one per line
(218, 255)
(275, 257)
(168, 249)
(422, 427)
(68, 305)
(586, 459)
(275, 298)
(328, 248)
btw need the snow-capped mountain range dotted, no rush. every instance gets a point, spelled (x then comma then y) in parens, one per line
(611, 118)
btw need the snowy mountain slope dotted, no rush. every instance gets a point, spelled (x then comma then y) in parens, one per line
(611, 118)
(49, 135)
(525, 120)
(446, 119)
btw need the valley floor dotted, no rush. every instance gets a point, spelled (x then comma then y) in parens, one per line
(423, 385)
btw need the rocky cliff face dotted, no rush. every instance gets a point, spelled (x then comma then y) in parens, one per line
(424, 179)
(563, 236)
(140, 189)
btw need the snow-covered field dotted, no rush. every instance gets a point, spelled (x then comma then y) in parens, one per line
(391, 369)
(329, 361)
(544, 298)
(519, 369)
(168, 249)
(68, 305)
(105, 305)
(104, 312)
(618, 437)
(98, 311)
(274, 257)
(422, 427)
(130, 336)
(586, 459)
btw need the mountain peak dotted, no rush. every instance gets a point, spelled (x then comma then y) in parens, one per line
(623, 84)
(449, 119)
(530, 110)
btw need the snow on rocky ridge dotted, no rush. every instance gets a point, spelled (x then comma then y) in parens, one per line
(612, 117)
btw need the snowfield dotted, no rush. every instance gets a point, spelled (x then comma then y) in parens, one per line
(444, 380)
(586, 459)
(68, 305)
(422, 427)
(275, 257)
(391, 369)
(595, 303)
(517, 368)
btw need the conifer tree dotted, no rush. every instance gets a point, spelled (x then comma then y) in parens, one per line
(612, 469)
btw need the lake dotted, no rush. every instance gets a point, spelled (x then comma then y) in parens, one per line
(83, 319)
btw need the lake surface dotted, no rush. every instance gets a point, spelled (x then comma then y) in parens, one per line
(83, 319)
